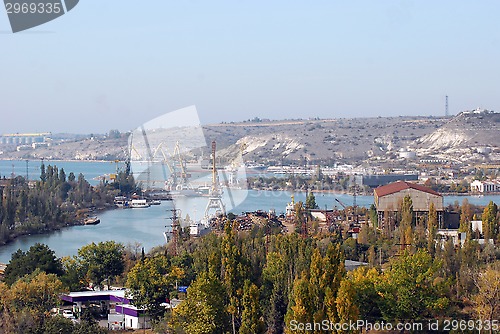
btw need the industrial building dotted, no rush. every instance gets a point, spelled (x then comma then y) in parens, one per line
(376, 180)
(24, 138)
(389, 197)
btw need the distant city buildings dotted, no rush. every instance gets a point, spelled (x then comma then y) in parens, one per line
(25, 141)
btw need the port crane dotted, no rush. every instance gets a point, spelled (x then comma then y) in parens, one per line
(215, 197)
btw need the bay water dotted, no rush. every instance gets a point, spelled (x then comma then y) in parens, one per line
(145, 226)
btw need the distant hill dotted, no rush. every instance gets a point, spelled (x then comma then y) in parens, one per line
(330, 140)
(469, 136)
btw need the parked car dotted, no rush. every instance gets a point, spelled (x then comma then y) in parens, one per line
(68, 314)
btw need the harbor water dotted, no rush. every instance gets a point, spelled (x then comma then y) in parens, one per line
(146, 225)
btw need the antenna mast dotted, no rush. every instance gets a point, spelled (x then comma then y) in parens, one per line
(446, 107)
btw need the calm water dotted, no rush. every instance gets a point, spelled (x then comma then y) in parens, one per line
(146, 226)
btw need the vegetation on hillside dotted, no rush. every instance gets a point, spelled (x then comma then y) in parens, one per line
(265, 281)
(56, 200)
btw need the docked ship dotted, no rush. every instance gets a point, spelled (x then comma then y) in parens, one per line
(139, 203)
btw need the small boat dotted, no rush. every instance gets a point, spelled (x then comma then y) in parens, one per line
(91, 221)
(139, 203)
(155, 202)
(121, 202)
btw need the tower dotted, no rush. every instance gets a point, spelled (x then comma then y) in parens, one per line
(446, 107)
(215, 198)
(173, 235)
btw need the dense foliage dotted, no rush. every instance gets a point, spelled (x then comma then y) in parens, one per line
(54, 201)
(262, 280)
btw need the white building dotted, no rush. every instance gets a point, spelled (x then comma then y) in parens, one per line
(485, 186)
(477, 225)
(458, 238)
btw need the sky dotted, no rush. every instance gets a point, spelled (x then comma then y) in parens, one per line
(115, 64)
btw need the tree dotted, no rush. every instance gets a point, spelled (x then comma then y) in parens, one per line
(204, 311)
(149, 284)
(487, 300)
(251, 321)
(311, 201)
(233, 273)
(274, 276)
(26, 305)
(490, 223)
(101, 261)
(73, 277)
(39, 256)
(301, 307)
(465, 217)
(410, 290)
(366, 299)
(405, 227)
(432, 226)
(373, 216)
(346, 303)
(43, 174)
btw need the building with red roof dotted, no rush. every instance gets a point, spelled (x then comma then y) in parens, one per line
(388, 199)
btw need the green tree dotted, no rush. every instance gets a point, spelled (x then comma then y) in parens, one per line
(39, 256)
(410, 289)
(373, 216)
(432, 227)
(150, 281)
(73, 277)
(311, 201)
(275, 278)
(233, 273)
(405, 227)
(102, 261)
(57, 325)
(465, 217)
(204, 311)
(366, 299)
(251, 317)
(489, 219)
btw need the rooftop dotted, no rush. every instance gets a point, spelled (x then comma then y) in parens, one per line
(402, 185)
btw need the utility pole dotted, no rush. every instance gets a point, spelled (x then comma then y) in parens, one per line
(354, 204)
(175, 229)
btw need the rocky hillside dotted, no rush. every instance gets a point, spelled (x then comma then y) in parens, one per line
(469, 136)
(330, 140)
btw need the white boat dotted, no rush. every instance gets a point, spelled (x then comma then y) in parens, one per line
(121, 202)
(139, 203)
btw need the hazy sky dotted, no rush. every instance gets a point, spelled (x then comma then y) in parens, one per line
(114, 64)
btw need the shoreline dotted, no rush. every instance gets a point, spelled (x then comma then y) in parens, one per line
(76, 222)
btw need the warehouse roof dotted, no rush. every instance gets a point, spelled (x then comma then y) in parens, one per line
(402, 185)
